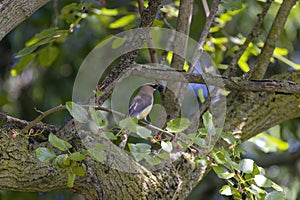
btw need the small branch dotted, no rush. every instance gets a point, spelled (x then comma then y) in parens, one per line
(204, 34)
(183, 26)
(205, 7)
(42, 116)
(262, 62)
(253, 34)
(19, 123)
(152, 51)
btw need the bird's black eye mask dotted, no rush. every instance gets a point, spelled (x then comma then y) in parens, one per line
(160, 88)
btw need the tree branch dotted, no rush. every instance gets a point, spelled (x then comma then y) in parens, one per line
(233, 83)
(262, 62)
(13, 12)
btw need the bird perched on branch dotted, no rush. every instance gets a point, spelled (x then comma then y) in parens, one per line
(141, 104)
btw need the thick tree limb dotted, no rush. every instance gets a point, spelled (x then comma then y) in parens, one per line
(233, 83)
(13, 12)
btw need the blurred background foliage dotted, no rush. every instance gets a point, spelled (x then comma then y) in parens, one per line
(46, 80)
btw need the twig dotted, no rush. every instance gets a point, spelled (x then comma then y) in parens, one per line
(204, 34)
(152, 51)
(42, 116)
(183, 26)
(263, 60)
(253, 34)
(206, 8)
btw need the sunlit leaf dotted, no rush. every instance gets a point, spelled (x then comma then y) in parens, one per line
(178, 125)
(225, 190)
(123, 21)
(246, 165)
(262, 181)
(268, 143)
(166, 146)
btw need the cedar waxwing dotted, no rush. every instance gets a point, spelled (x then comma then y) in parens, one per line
(141, 105)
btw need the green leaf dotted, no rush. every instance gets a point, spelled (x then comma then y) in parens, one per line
(166, 146)
(123, 21)
(110, 135)
(152, 160)
(45, 154)
(77, 156)
(62, 161)
(246, 165)
(143, 132)
(47, 36)
(97, 152)
(109, 12)
(178, 125)
(139, 150)
(163, 155)
(218, 156)
(275, 195)
(59, 143)
(71, 178)
(208, 123)
(117, 42)
(97, 116)
(78, 170)
(262, 181)
(225, 190)
(47, 55)
(26, 50)
(129, 123)
(199, 141)
(222, 172)
(268, 143)
(77, 112)
(24, 62)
